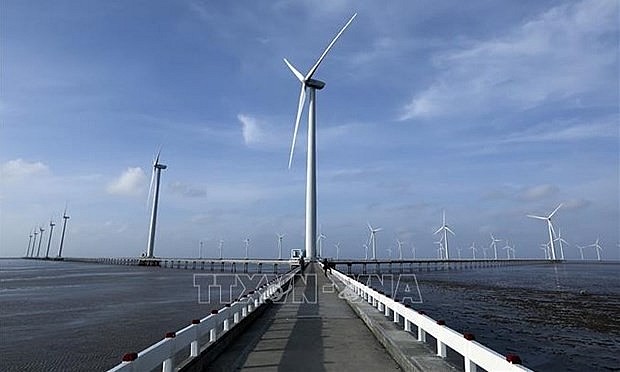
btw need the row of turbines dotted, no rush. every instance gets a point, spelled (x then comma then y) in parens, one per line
(38, 231)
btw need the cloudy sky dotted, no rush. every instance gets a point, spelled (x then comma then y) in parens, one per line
(490, 110)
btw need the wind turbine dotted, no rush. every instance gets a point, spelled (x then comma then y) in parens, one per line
(440, 250)
(507, 247)
(545, 248)
(581, 251)
(34, 242)
(366, 252)
(221, 247)
(319, 240)
(550, 228)
(598, 248)
(458, 251)
(155, 175)
(280, 237)
(65, 217)
(247, 247)
(49, 241)
(494, 244)
(41, 230)
(337, 246)
(373, 239)
(307, 82)
(413, 251)
(29, 242)
(200, 244)
(400, 249)
(444, 227)
(561, 240)
(473, 250)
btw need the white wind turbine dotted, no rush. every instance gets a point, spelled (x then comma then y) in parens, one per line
(550, 228)
(319, 240)
(400, 249)
(413, 251)
(545, 248)
(366, 252)
(373, 239)
(507, 248)
(34, 242)
(458, 251)
(581, 251)
(444, 227)
(440, 250)
(494, 244)
(337, 246)
(473, 250)
(221, 247)
(561, 240)
(598, 248)
(155, 176)
(29, 241)
(247, 247)
(65, 217)
(308, 83)
(280, 237)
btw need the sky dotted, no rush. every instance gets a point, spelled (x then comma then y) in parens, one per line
(486, 110)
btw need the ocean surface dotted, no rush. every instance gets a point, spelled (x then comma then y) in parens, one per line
(556, 317)
(67, 316)
(64, 316)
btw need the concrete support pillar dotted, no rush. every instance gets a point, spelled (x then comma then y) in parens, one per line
(441, 349)
(421, 335)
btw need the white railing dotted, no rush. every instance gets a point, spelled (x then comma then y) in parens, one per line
(214, 326)
(474, 354)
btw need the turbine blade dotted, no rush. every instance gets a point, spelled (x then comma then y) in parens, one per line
(537, 217)
(438, 230)
(294, 70)
(450, 231)
(318, 62)
(148, 197)
(555, 210)
(300, 108)
(370, 226)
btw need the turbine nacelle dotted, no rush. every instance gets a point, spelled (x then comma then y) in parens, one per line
(316, 84)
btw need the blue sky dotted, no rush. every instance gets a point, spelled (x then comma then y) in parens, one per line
(490, 110)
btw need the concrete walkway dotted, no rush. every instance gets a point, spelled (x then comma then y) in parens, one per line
(313, 330)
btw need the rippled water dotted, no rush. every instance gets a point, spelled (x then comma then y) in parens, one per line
(64, 316)
(563, 317)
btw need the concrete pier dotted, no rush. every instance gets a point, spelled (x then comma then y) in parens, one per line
(312, 330)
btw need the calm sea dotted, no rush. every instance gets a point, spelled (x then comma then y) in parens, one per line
(67, 316)
(562, 317)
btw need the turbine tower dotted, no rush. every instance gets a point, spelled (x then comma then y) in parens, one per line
(34, 242)
(41, 230)
(581, 251)
(319, 240)
(65, 217)
(444, 227)
(473, 250)
(561, 240)
(280, 237)
(337, 246)
(597, 247)
(373, 239)
(494, 244)
(313, 85)
(29, 242)
(49, 241)
(550, 228)
(247, 247)
(400, 249)
(221, 247)
(155, 175)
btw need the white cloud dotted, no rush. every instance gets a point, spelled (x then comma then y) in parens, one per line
(538, 192)
(250, 128)
(566, 52)
(18, 169)
(131, 182)
(187, 191)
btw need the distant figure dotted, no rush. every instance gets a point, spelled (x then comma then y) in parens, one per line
(326, 266)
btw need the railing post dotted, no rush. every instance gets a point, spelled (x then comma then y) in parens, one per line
(407, 324)
(387, 310)
(470, 366)
(226, 325)
(212, 335)
(396, 318)
(421, 334)
(236, 318)
(441, 349)
(244, 311)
